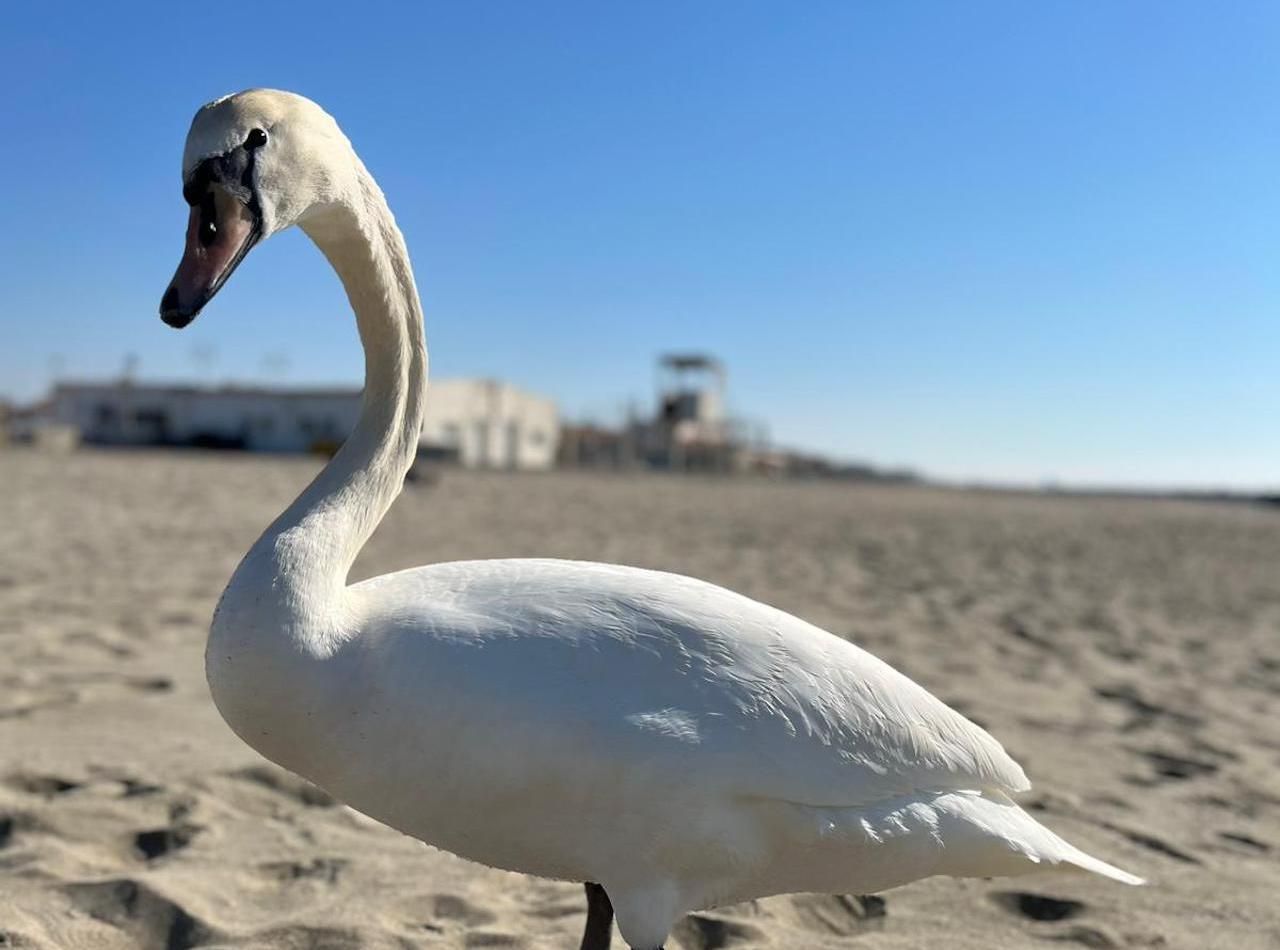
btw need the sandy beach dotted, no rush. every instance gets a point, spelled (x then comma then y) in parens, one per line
(1126, 652)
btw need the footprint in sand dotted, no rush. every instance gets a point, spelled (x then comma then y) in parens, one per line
(1177, 768)
(290, 786)
(1037, 906)
(703, 932)
(1247, 842)
(486, 938)
(300, 937)
(1093, 937)
(151, 684)
(1143, 712)
(151, 921)
(322, 870)
(159, 842)
(1020, 629)
(454, 908)
(13, 855)
(1152, 843)
(183, 618)
(132, 787)
(47, 786)
(840, 915)
(14, 822)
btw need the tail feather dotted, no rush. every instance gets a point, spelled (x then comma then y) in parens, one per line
(1044, 846)
(1087, 862)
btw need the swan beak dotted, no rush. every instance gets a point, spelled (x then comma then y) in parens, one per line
(220, 232)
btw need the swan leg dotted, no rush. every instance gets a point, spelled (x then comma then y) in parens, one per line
(599, 930)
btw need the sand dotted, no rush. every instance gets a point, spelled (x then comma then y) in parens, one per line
(1126, 652)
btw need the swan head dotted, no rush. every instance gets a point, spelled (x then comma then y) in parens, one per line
(255, 163)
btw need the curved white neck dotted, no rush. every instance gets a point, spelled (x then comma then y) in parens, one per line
(304, 557)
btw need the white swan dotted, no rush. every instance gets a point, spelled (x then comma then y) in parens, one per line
(676, 743)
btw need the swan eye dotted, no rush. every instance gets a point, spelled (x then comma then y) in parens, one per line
(257, 138)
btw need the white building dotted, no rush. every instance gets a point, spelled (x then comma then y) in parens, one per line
(491, 424)
(481, 423)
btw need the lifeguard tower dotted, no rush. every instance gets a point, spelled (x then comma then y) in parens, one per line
(691, 426)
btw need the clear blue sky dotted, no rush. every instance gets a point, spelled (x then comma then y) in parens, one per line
(1018, 241)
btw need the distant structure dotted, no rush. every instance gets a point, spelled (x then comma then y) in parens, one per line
(485, 423)
(691, 399)
(689, 430)
(477, 423)
(33, 426)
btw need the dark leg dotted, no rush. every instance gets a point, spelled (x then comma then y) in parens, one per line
(599, 929)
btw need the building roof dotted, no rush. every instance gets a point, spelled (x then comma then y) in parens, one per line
(186, 389)
(278, 392)
(691, 361)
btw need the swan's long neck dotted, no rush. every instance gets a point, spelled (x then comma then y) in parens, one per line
(299, 566)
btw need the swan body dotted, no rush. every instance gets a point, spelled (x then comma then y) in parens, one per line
(676, 743)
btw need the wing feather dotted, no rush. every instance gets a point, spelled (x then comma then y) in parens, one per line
(645, 666)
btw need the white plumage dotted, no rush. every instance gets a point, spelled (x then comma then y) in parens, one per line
(679, 744)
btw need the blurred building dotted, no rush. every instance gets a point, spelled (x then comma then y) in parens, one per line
(691, 399)
(688, 431)
(35, 426)
(691, 431)
(477, 423)
(490, 424)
